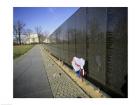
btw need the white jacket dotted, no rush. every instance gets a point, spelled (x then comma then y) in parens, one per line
(78, 63)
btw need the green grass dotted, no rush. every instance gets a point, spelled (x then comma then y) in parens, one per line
(20, 50)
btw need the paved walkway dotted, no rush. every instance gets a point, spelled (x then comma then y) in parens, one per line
(36, 75)
(61, 84)
(30, 78)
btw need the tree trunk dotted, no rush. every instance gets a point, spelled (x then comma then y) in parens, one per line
(19, 38)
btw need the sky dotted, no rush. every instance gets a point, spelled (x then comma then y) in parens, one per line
(49, 18)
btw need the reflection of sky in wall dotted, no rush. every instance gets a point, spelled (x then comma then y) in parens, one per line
(48, 18)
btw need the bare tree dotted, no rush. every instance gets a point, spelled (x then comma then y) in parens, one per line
(18, 29)
(28, 33)
(38, 30)
(42, 38)
(45, 36)
(15, 35)
(46, 33)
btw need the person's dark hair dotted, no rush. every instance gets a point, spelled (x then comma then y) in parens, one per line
(86, 68)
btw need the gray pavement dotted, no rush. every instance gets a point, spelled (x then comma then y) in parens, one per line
(61, 84)
(30, 79)
(36, 75)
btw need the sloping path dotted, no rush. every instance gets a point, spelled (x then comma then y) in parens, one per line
(36, 75)
(30, 79)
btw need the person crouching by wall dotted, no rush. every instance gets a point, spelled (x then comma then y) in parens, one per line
(78, 66)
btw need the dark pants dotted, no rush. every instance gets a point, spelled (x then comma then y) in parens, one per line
(78, 73)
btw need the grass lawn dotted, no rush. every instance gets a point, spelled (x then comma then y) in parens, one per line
(20, 50)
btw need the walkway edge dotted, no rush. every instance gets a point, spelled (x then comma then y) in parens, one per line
(44, 61)
(87, 87)
(21, 56)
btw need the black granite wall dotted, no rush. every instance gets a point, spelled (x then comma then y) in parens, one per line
(99, 35)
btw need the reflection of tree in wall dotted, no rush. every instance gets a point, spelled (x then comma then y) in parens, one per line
(94, 29)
